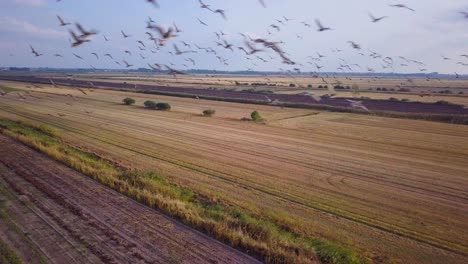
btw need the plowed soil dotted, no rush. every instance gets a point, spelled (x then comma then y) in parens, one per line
(65, 217)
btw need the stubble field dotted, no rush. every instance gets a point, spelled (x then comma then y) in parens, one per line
(395, 189)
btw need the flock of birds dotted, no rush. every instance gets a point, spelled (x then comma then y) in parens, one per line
(256, 50)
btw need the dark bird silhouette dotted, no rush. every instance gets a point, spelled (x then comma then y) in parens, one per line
(128, 65)
(465, 14)
(77, 39)
(262, 2)
(354, 45)
(85, 33)
(204, 6)
(141, 43)
(124, 35)
(165, 34)
(321, 28)
(176, 28)
(153, 2)
(58, 55)
(174, 71)
(33, 51)
(95, 54)
(221, 12)
(201, 22)
(78, 56)
(108, 55)
(402, 6)
(105, 38)
(62, 23)
(376, 19)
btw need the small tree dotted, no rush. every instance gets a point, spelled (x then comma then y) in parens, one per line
(151, 104)
(163, 106)
(209, 112)
(128, 101)
(255, 115)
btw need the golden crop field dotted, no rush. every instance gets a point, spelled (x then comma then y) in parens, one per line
(394, 189)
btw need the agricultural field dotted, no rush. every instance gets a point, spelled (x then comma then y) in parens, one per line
(417, 89)
(389, 190)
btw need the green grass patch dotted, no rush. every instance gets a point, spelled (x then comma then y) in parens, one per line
(6, 89)
(264, 235)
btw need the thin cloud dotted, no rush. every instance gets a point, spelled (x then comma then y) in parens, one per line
(14, 25)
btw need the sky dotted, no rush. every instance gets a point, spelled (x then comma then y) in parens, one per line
(435, 30)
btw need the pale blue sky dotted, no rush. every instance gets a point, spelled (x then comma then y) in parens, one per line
(436, 29)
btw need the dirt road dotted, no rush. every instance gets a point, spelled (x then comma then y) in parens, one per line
(59, 215)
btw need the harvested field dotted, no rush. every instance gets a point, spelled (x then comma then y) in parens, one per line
(395, 190)
(284, 99)
(69, 218)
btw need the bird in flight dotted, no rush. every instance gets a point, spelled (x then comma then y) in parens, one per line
(321, 28)
(201, 22)
(128, 65)
(62, 23)
(165, 34)
(403, 6)
(124, 35)
(154, 2)
(357, 104)
(221, 12)
(37, 54)
(85, 33)
(262, 2)
(465, 14)
(179, 52)
(78, 56)
(376, 19)
(204, 6)
(78, 40)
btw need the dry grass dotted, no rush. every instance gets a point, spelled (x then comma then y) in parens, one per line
(390, 188)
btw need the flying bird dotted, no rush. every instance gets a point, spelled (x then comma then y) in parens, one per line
(127, 64)
(153, 2)
(124, 35)
(402, 6)
(321, 28)
(376, 19)
(357, 104)
(201, 22)
(78, 40)
(85, 33)
(78, 56)
(221, 12)
(33, 51)
(62, 23)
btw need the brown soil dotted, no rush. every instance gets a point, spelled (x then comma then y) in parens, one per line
(68, 218)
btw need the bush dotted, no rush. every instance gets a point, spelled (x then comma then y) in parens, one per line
(209, 112)
(256, 116)
(151, 104)
(292, 85)
(163, 106)
(129, 101)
